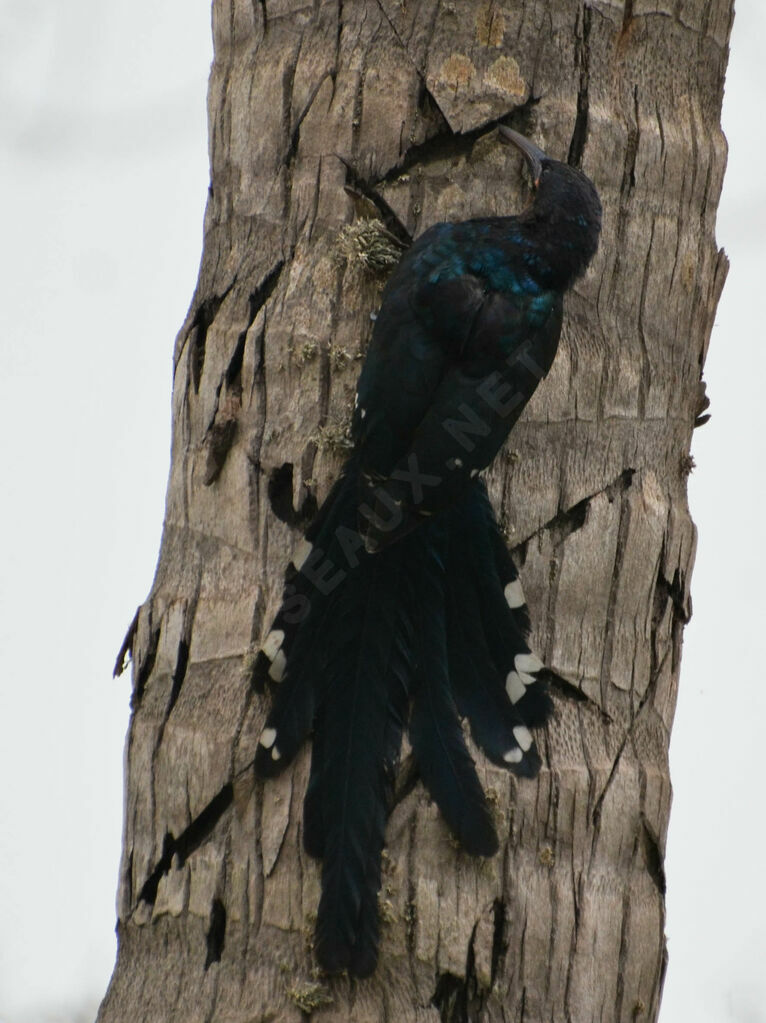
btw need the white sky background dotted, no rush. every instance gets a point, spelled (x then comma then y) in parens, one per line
(103, 164)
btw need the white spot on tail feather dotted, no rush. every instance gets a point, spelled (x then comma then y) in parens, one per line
(273, 642)
(268, 735)
(278, 665)
(514, 594)
(513, 756)
(275, 754)
(301, 553)
(474, 472)
(523, 737)
(527, 662)
(458, 462)
(514, 686)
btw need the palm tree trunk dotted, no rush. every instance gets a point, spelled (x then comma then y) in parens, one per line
(399, 99)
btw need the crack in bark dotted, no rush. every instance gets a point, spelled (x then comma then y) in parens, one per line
(627, 16)
(653, 855)
(280, 491)
(217, 446)
(216, 936)
(447, 143)
(260, 5)
(623, 527)
(222, 428)
(182, 662)
(628, 183)
(198, 335)
(144, 668)
(499, 942)
(290, 138)
(569, 520)
(444, 144)
(339, 33)
(622, 955)
(582, 59)
(577, 897)
(450, 998)
(190, 839)
(405, 50)
(387, 215)
(571, 691)
(180, 668)
(296, 130)
(629, 732)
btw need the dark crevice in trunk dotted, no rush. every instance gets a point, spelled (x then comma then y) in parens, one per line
(295, 132)
(387, 215)
(280, 491)
(223, 426)
(145, 669)
(216, 935)
(233, 375)
(182, 661)
(339, 34)
(448, 145)
(627, 15)
(262, 294)
(499, 942)
(449, 997)
(571, 691)
(655, 861)
(665, 591)
(645, 700)
(217, 446)
(582, 57)
(631, 151)
(622, 957)
(430, 110)
(200, 325)
(566, 522)
(444, 144)
(190, 839)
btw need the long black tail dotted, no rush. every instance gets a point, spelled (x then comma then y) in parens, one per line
(434, 625)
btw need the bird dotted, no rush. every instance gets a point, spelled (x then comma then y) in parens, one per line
(402, 607)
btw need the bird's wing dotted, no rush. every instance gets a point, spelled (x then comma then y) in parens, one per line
(509, 348)
(420, 332)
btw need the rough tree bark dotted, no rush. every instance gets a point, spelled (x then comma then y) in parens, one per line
(400, 99)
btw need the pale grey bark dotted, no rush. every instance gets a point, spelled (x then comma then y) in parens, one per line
(216, 896)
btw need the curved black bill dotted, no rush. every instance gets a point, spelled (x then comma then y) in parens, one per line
(532, 154)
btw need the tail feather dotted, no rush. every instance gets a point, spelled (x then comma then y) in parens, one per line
(435, 620)
(316, 569)
(313, 816)
(294, 653)
(502, 609)
(445, 765)
(366, 697)
(296, 698)
(479, 690)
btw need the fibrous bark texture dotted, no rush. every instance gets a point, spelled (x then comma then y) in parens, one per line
(399, 99)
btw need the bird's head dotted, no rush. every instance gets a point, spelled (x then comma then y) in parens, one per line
(566, 202)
